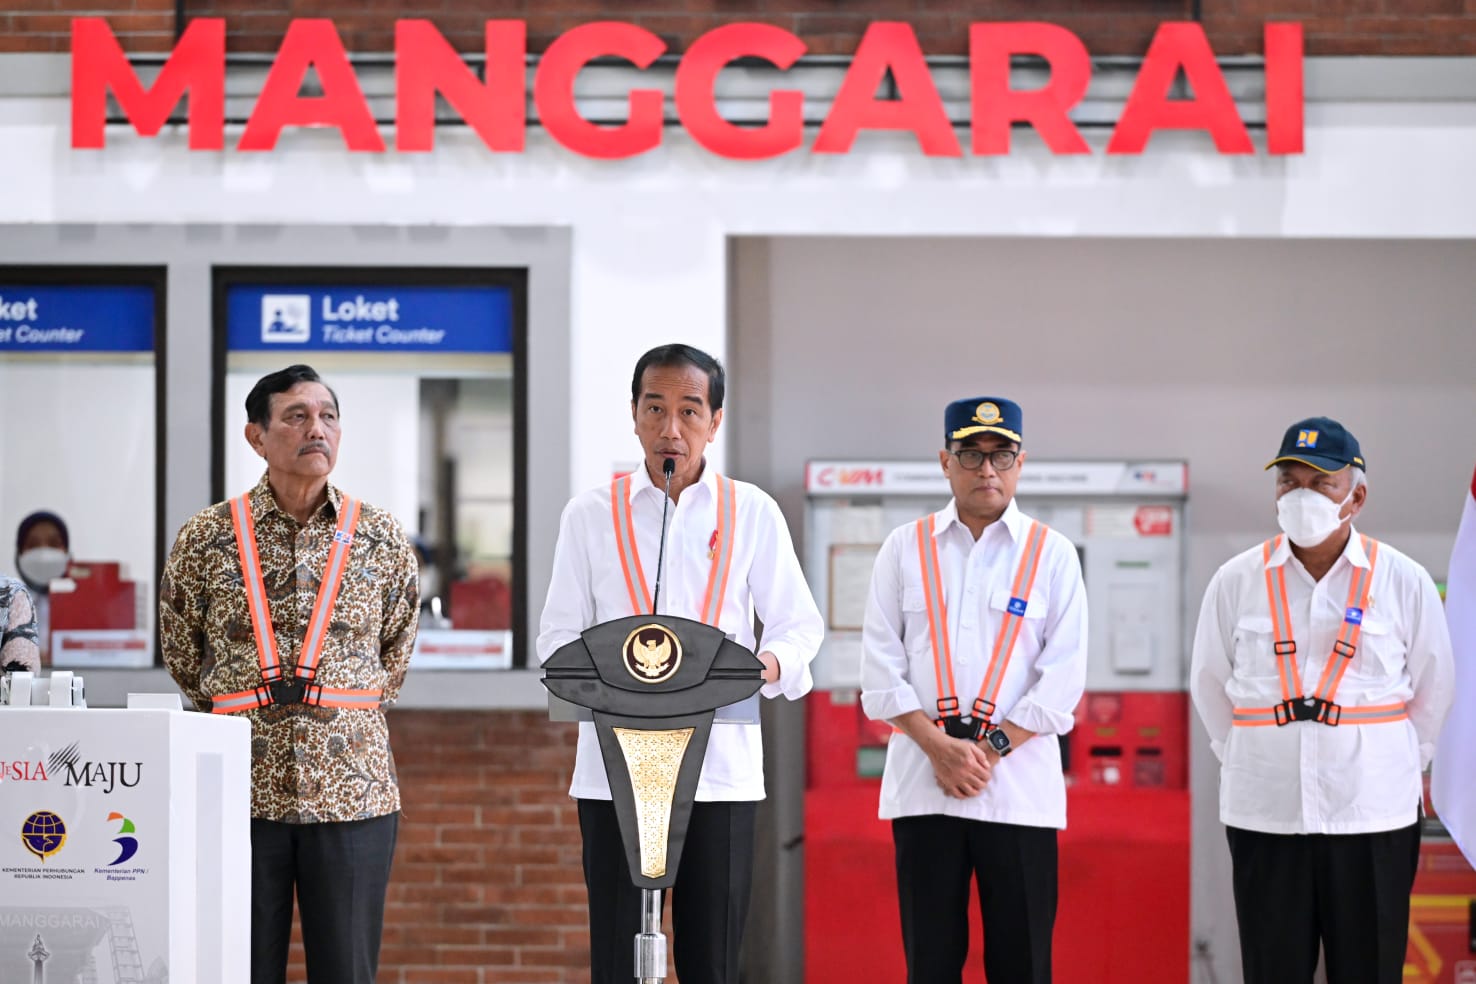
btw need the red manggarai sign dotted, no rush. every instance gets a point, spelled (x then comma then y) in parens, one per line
(494, 108)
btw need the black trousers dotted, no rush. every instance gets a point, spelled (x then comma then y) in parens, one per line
(1350, 892)
(1016, 871)
(709, 902)
(340, 872)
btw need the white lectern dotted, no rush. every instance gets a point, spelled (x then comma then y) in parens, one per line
(125, 846)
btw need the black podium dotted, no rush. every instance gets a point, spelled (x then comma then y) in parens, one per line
(652, 684)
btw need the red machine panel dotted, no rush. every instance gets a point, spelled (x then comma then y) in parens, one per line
(1124, 876)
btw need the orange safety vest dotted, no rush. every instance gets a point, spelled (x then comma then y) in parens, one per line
(1319, 706)
(980, 722)
(721, 549)
(300, 688)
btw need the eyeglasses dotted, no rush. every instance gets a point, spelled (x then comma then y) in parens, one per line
(972, 459)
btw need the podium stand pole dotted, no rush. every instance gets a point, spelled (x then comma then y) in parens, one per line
(650, 942)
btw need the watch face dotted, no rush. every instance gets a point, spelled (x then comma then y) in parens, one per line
(999, 740)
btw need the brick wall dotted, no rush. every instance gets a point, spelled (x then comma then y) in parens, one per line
(487, 885)
(1334, 27)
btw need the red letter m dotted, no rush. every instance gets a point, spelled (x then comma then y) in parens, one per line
(197, 66)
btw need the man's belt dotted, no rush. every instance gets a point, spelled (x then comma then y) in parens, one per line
(294, 690)
(1318, 710)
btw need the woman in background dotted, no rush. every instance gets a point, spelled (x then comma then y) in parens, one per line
(42, 553)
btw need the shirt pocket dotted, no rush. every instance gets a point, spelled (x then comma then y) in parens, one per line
(1381, 652)
(1255, 647)
(916, 629)
(1032, 620)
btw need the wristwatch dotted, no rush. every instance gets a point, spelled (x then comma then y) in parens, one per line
(999, 741)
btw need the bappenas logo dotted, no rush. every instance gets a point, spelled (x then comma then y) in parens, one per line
(73, 771)
(127, 846)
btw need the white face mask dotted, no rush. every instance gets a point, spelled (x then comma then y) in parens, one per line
(41, 565)
(1307, 517)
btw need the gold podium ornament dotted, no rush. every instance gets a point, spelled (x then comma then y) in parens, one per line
(653, 758)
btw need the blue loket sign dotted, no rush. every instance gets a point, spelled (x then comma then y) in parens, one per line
(368, 319)
(90, 318)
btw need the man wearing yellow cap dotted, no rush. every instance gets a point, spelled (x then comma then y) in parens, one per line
(974, 648)
(1322, 671)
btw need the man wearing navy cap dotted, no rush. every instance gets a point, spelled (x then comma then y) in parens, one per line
(974, 646)
(1322, 671)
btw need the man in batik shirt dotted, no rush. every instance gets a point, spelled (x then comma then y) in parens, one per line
(295, 605)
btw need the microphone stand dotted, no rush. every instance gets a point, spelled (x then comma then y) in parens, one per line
(650, 942)
(667, 467)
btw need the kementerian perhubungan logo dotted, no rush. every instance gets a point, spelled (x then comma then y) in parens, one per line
(43, 833)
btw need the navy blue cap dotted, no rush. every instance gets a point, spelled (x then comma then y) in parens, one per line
(1320, 442)
(981, 415)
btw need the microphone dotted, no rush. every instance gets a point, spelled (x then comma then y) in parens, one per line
(667, 467)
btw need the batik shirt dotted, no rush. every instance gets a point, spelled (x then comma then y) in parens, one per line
(308, 764)
(18, 645)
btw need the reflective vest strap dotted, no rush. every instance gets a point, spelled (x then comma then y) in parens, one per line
(339, 697)
(1286, 648)
(1352, 628)
(932, 579)
(1260, 717)
(241, 700)
(1380, 714)
(1254, 717)
(317, 633)
(1014, 617)
(256, 602)
(625, 544)
(318, 696)
(722, 556)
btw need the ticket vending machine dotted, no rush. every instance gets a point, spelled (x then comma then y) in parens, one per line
(1124, 871)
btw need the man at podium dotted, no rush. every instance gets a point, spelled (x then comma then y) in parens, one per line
(727, 556)
(295, 605)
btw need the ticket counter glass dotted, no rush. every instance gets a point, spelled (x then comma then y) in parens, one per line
(79, 393)
(425, 365)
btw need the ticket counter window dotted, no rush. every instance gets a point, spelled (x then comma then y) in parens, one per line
(78, 490)
(425, 378)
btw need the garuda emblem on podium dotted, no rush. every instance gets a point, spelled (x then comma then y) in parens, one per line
(652, 653)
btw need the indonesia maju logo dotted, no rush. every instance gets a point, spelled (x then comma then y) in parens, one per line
(652, 653)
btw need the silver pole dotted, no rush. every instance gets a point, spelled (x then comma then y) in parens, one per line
(650, 942)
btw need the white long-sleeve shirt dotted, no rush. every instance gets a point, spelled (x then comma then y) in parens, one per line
(1307, 777)
(1041, 686)
(588, 587)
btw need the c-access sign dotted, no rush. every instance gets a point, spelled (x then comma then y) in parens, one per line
(495, 106)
